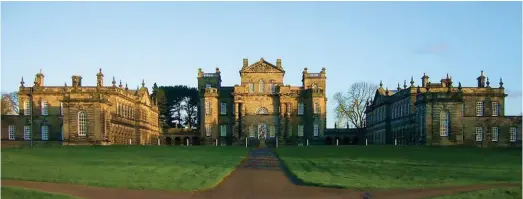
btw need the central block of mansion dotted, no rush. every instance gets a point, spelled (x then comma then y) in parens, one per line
(262, 107)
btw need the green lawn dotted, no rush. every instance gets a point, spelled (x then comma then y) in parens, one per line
(386, 167)
(162, 168)
(507, 193)
(21, 193)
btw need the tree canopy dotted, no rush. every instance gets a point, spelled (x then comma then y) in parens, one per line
(178, 105)
(350, 105)
(10, 103)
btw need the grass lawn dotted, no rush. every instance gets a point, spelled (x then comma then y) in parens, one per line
(386, 167)
(137, 167)
(21, 193)
(507, 193)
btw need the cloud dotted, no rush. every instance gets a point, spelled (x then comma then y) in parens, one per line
(514, 93)
(433, 49)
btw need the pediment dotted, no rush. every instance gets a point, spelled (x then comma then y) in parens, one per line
(262, 66)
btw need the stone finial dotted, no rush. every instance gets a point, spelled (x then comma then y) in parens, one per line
(126, 88)
(381, 84)
(121, 86)
(22, 82)
(137, 88)
(143, 82)
(500, 82)
(488, 83)
(305, 69)
(398, 88)
(412, 81)
(387, 91)
(481, 73)
(114, 82)
(278, 63)
(335, 125)
(245, 62)
(459, 86)
(261, 59)
(65, 84)
(404, 84)
(418, 90)
(323, 69)
(448, 76)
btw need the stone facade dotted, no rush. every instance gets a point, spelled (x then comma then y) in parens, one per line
(262, 107)
(77, 114)
(441, 114)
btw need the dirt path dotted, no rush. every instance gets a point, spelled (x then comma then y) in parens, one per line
(260, 176)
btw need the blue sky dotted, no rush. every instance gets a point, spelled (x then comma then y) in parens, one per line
(166, 42)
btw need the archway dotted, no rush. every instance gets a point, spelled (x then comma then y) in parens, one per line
(355, 140)
(196, 140)
(185, 140)
(168, 141)
(346, 140)
(177, 141)
(328, 141)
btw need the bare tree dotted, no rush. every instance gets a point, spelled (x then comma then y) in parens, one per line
(10, 103)
(350, 106)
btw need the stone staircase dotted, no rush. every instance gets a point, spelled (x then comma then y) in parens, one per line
(262, 158)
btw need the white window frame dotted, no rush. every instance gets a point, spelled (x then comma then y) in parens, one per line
(223, 130)
(316, 130)
(261, 86)
(207, 108)
(513, 134)
(251, 87)
(208, 130)
(27, 107)
(27, 132)
(301, 108)
(444, 123)
(479, 134)
(300, 130)
(495, 134)
(223, 108)
(44, 108)
(495, 108)
(316, 108)
(12, 132)
(44, 132)
(82, 124)
(479, 108)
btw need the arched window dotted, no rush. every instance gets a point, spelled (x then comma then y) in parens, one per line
(314, 86)
(262, 111)
(444, 123)
(251, 87)
(262, 86)
(273, 87)
(82, 123)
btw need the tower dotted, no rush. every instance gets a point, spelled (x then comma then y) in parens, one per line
(208, 88)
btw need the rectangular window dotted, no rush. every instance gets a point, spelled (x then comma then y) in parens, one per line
(27, 107)
(479, 108)
(27, 132)
(273, 88)
(479, 134)
(12, 132)
(45, 132)
(495, 108)
(251, 132)
(300, 130)
(513, 134)
(300, 109)
(316, 108)
(45, 108)
(223, 108)
(316, 130)
(61, 108)
(223, 130)
(251, 87)
(208, 130)
(207, 108)
(444, 124)
(495, 134)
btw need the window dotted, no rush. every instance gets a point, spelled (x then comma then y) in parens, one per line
(462, 110)
(316, 130)
(314, 86)
(45, 108)
(207, 108)
(262, 86)
(61, 108)
(479, 134)
(251, 132)
(316, 108)
(272, 132)
(495, 108)
(27, 107)
(444, 123)
(223, 108)
(223, 130)
(251, 87)
(495, 134)
(207, 85)
(12, 132)
(273, 87)
(208, 130)
(45, 132)
(479, 108)
(82, 123)
(27, 132)
(513, 134)
(300, 130)
(300, 109)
